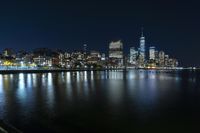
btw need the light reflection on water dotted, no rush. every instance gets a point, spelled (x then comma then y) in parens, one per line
(2, 97)
(47, 96)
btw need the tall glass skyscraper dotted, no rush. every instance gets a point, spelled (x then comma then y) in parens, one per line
(142, 50)
(142, 45)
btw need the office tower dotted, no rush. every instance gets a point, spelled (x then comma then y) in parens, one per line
(103, 56)
(133, 56)
(142, 51)
(166, 60)
(85, 48)
(161, 59)
(151, 53)
(94, 57)
(116, 52)
(157, 57)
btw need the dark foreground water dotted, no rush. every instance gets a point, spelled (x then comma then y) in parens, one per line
(110, 101)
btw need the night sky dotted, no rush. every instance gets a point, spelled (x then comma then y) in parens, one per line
(172, 26)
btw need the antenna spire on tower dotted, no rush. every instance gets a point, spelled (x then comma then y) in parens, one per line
(142, 33)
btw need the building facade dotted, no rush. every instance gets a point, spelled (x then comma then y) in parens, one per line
(152, 53)
(142, 51)
(116, 53)
(133, 56)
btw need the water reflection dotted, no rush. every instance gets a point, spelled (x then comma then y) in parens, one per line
(82, 82)
(2, 98)
(1, 85)
(29, 80)
(50, 91)
(21, 90)
(45, 95)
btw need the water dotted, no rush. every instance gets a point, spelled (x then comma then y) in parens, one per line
(107, 101)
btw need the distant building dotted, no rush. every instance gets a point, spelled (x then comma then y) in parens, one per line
(61, 59)
(95, 54)
(67, 55)
(103, 56)
(116, 52)
(8, 52)
(172, 63)
(161, 59)
(157, 58)
(167, 60)
(142, 51)
(77, 55)
(40, 61)
(94, 57)
(152, 53)
(133, 56)
(85, 48)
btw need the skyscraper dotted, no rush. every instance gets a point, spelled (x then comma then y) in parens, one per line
(166, 60)
(85, 48)
(116, 52)
(152, 53)
(161, 58)
(142, 51)
(157, 57)
(133, 55)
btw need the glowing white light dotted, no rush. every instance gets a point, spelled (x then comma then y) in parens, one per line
(21, 88)
(49, 80)
(78, 76)
(85, 75)
(68, 77)
(21, 81)
(1, 83)
(92, 75)
(50, 93)
(29, 80)
(34, 79)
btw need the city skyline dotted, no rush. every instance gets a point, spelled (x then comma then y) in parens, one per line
(126, 49)
(141, 57)
(138, 57)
